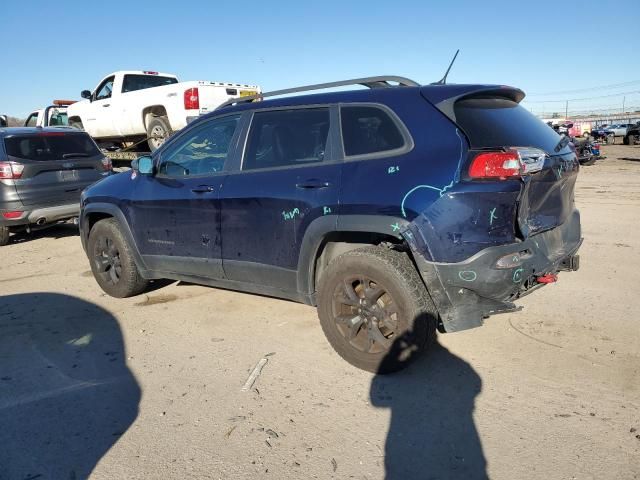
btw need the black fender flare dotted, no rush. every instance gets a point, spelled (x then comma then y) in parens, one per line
(321, 227)
(115, 212)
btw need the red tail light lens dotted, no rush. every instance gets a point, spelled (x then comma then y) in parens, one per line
(191, 99)
(11, 215)
(106, 164)
(500, 165)
(10, 170)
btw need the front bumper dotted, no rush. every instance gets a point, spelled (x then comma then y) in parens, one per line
(467, 292)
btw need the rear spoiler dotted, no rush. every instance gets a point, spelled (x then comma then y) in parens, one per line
(444, 99)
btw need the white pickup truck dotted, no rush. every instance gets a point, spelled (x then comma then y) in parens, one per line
(131, 106)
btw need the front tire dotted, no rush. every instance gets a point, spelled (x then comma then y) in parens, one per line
(374, 309)
(112, 261)
(158, 130)
(4, 236)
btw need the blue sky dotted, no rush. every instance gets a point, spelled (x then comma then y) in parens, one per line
(55, 49)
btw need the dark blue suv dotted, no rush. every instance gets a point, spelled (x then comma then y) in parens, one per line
(395, 210)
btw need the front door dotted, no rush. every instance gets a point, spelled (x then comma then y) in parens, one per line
(98, 121)
(288, 178)
(176, 212)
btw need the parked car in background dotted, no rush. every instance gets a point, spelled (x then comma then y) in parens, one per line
(602, 134)
(633, 135)
(42, 173)
(619, 129)
(54, 115)
(131, 106)
(393, 209)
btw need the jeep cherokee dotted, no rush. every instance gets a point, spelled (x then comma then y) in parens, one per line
(395, 210)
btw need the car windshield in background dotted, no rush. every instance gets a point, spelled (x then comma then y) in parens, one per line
(50, 146)
(498, 122)
(131, 83)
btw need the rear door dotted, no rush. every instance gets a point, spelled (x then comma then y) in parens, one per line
(57, 166)
(289, 177)
(547, 197)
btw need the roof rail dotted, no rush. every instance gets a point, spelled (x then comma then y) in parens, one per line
(371, 82)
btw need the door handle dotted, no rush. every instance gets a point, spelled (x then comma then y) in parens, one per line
(202, 189)
(106, 105)
(313, 183)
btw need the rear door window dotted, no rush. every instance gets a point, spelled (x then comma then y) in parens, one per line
(369, 130)
(50, 146)
(131, 83)
(287, 138)
(499, 122)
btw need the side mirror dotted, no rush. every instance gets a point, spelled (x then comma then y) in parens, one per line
(4, 121)
(85, 94)
(143, 165)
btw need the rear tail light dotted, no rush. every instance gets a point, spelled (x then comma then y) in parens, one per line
(10, 170)
(512, 163)
(12, 215)
(191, 99)
(106, 164)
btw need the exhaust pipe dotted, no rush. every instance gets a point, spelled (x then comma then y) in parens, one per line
(41, 221)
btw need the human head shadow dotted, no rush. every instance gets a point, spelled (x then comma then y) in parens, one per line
(66, 394)
(432, 434)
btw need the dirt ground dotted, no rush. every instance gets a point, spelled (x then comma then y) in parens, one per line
(151, 387)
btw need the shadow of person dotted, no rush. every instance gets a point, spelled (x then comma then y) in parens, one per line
(432, 434)
(66, 394)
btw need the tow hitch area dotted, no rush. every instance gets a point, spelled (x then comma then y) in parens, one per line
(548, 278)
(570, 264)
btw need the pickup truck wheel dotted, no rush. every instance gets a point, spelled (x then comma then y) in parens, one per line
(112, 261)
(76, 124)
(625, 140)
(374, 309)
(4, 236)
(158, 131)
(585, 134)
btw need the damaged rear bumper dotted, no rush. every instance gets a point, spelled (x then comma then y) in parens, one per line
(467, 292)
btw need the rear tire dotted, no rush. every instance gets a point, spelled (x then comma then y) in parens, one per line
(158, 130)
(112, 261)
(4, 236)
(625, 140)
(374, 309)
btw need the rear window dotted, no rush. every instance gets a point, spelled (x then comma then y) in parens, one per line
(497, 122)
(50, 146)
(131, 83)
(367, 130)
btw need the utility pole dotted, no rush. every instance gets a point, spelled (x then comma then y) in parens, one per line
(623, 100)
(566, 109)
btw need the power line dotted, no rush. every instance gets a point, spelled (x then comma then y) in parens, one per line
(589, 89)
(585, 98)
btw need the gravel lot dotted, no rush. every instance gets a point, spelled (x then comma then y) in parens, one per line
(151, 387)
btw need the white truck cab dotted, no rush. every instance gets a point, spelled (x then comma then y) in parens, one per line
(54, 115)
(130, 106)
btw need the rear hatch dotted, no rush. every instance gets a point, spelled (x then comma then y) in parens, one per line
(55, 166)
(493, 120)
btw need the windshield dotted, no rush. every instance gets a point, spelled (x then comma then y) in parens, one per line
(132, 83)
(50, 146)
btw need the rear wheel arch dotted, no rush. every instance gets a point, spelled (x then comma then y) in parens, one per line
(325, 239)
(153, 111)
